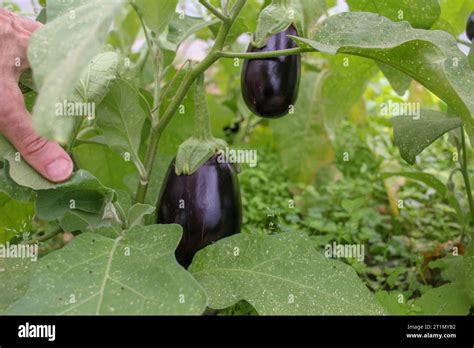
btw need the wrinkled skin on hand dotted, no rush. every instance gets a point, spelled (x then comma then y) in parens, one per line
(47, 157)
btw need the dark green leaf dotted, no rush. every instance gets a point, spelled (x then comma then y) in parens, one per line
(413, 135)
(280, 274)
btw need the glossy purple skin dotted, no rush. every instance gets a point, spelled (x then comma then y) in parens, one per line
(212, 207)
(270, 86)
(470, 27)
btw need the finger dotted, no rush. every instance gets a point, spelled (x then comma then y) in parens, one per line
(22, 22)
(46, 157)
(28, 24)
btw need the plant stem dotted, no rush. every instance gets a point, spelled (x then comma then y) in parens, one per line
(214, 10)
(157, 130)
(145, 30)
(75, 133)
(202, 127)
(262, 55)
(465, 174)
(156, 95)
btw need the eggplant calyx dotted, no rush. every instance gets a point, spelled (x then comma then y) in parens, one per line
(194, 152)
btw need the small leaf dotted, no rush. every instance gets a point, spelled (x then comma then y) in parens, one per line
(280, 274)
(77, 220)
(137, 212)
(276, 18)
(428, 179)
(135, 274)
(413, 135)
(97, 79)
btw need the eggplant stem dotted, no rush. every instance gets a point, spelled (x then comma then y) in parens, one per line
(191, 76)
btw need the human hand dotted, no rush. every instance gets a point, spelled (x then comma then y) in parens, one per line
(45, 156)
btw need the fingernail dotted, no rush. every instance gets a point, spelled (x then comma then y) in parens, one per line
(60, 169)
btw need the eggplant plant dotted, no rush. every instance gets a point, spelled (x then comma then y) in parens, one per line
(150, 222)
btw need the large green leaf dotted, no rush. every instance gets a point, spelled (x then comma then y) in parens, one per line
(70, 41)
(14, 278)
(431, 57)
(134, 274)
(82, 192)
(156, 14)
(448, 299)
(420, 13)
(413, 135)
(120, 116)
(280, 274)
(57, 8)
(469, 269)
(301, 138)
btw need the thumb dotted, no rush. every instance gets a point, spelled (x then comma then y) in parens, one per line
(46, 157)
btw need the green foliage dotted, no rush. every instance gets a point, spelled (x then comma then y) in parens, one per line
(246, 267)
(156, 14)
(82, 192)
(75, 41)
(413, 135)
(306, 124)
(329, 172)
(420, 14)
(133, 274)
(431, 57)
(121, 119)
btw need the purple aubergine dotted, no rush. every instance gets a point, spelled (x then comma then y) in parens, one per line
(270, 86)
(206, 204)
(470, 27)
